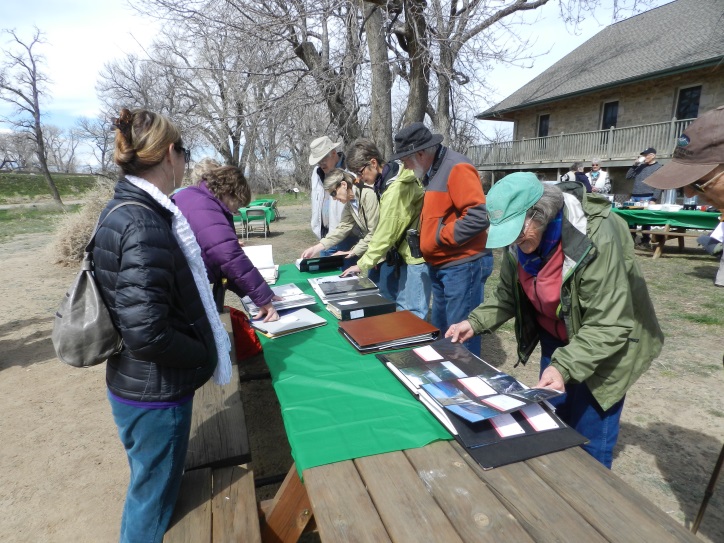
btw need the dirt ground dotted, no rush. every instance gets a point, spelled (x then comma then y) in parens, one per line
(63, 472)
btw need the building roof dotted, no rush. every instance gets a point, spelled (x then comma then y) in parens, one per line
(682, 35)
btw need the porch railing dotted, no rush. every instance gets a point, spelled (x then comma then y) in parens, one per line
(613, 144)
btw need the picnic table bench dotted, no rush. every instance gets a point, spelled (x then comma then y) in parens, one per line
(217, 502)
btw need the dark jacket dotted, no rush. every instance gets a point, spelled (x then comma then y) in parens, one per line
(213, 226)
(639, 173)
(145, 280)
(583, 178)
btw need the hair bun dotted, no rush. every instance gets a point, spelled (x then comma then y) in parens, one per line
(124, 123)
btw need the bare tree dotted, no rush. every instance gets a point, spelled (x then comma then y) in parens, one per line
(22, 84)
(61, 146)
(98, 133)
(16, 151)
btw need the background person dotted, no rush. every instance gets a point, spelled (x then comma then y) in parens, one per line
(598, 178)
(209, 206)
(151, 276)
(576, 174)
(360, 216)
(400, 276)
(571, 281)
(641, 192)
(453, 225)
(326, 212)
(698, 168)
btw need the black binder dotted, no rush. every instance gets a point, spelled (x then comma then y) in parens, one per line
(347, 309)
(320, 263)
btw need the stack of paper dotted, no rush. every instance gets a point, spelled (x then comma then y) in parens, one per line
(263, 260)
(292, 297)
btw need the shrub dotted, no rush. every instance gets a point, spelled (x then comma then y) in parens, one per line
(74, 229)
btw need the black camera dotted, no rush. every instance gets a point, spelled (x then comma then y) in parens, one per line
(413, 240)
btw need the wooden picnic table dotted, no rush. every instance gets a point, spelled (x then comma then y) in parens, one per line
(358, 485)
(666, 225)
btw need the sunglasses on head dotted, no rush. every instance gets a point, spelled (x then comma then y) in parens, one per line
(186, 152)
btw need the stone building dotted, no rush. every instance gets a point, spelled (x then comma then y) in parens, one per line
(636, 84)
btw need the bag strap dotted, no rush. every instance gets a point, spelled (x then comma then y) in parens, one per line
(100, 222)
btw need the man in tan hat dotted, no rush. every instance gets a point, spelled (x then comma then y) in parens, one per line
(698, 167)
(326, 211)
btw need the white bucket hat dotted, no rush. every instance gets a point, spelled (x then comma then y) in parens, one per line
(320, 148)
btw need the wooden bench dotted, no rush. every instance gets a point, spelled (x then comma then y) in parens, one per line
(216, 506)
(217, 501)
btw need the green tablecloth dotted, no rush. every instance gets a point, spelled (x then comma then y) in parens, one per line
(336, 403)
(267, 210)
(702, 220)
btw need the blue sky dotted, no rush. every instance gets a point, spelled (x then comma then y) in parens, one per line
(82, 35)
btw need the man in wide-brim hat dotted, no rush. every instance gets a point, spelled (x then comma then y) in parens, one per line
(698, 168)
(453, 224)
(324, 156)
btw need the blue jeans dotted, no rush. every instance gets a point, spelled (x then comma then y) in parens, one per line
(156, 441)
(456, 291)
(411, 290)
(580, 410)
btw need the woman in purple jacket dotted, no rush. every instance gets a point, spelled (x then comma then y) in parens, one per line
(208, 207)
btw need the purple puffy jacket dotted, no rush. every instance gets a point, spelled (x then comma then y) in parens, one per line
(213, 226)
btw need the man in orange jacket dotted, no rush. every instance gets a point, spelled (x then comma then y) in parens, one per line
(453, 225)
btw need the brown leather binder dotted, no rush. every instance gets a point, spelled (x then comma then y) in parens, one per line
(389, 331)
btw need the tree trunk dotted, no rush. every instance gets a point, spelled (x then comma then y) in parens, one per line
(41, 154)
(381, 97)
(443, 98)
(419, 54)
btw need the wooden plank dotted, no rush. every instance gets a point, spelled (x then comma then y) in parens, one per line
(234, 510)
(545, 515)
(342, 508)
(617, 511)
(408, 511)
(290, 513)
(218, 428)
(468, 503)
(191, 519)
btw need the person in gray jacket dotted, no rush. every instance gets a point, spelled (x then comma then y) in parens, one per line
(644, 166)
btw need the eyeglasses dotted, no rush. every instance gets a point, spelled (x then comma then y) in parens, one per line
(333, 192)
(186, 152)
(363, 168)
(700, 186)
(594, 164)
(526, 225)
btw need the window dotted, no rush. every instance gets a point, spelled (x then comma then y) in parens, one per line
(610, 115)
(543, 125)
(687, 106)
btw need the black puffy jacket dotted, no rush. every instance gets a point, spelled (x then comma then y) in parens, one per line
(145, 280)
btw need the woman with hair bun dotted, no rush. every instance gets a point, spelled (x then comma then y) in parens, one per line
(208, 206)
(149, 269)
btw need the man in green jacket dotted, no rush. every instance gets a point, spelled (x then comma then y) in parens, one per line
(570, 280)
(388, 260)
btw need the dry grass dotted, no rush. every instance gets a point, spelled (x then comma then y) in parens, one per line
(74, 229)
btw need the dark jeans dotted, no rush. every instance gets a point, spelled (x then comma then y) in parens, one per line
(580, 410)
